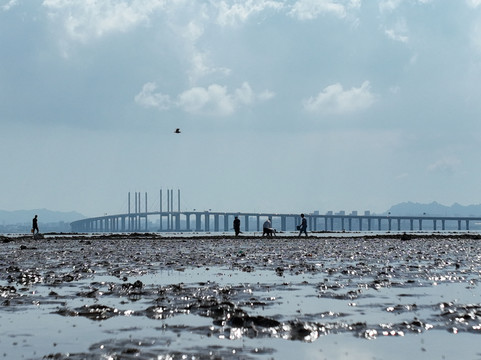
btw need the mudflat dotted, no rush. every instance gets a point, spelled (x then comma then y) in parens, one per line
(150, 296)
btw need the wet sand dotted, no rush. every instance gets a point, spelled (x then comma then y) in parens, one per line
(147, 296)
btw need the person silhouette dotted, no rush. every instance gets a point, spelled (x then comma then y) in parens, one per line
(303, 226)
(35, 225)
(267, 228)
(236, 226)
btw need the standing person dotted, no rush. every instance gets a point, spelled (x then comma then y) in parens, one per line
(237, 226)
(303, 226)
(34, 225)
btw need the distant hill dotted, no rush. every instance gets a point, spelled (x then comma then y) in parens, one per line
(434, 208)
(44, 216)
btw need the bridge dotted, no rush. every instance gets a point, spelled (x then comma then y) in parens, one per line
(207, 221)
(222, 221)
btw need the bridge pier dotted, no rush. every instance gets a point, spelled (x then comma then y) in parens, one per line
(198, 222)
(207, 222)
(246, 221)
(226, 222)
(177, 222)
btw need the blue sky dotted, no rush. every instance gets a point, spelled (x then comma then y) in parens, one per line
(285, 106)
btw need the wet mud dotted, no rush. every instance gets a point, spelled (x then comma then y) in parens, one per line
(145, 296)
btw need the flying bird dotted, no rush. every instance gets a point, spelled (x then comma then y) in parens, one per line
(177, 131)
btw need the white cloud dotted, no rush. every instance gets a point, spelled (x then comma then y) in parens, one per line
(213, 100)
(392, 34)
(241, 11)
(9, 5)
(193, 31)
(473, 3)
(355, 4)
(266, 95)
(448, 164)
(399, 32)
(148, 98)
(311, 9)
(389, 5)
(199, 60)
(199, 65)
(199, 68)
(244, 94)
(335, 100)
(84, 19)
(216, 100)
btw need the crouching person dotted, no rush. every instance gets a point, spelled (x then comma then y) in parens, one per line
(267, 229)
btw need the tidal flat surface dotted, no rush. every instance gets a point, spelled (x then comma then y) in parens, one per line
(146, 296)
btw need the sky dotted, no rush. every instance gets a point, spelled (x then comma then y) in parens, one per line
(283, 106)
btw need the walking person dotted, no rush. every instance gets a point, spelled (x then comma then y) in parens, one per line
(303, 226)
(35, 225)
(236, 226)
